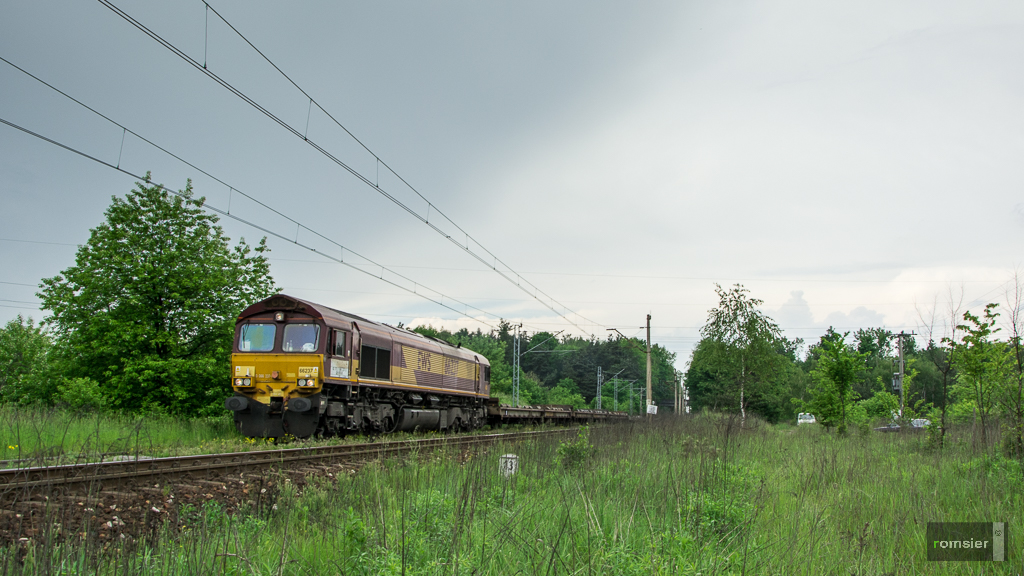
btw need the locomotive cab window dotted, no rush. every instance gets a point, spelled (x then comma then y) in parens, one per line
(301, 338)
(487, 374)
(375, 363)
(256, 337)
(339, 345)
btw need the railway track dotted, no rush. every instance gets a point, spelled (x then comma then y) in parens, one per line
(105, 473)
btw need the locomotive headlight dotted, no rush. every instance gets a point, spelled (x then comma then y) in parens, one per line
(247, 382)
(238, 381)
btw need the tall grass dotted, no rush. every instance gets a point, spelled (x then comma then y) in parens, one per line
(31, 435)
(693, 496)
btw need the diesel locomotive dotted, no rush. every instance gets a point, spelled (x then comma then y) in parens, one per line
(300, 369)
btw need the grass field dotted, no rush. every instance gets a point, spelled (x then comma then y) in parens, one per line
(37, 435)
(686, 496)
(45, 436)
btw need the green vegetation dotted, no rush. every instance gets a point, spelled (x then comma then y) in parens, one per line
(38, 436)
(148, 310)
(143, 322)
(834, 376)
(563, 370)
(684, 496)
(742, 363)
(35, 435)
(738, 357)
(26, 362)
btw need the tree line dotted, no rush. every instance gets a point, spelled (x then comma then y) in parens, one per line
(974, 372)
(563, 370)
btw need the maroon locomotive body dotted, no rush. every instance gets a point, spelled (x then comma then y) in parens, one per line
(302, 368)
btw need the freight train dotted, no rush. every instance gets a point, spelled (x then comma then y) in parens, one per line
(305, 369)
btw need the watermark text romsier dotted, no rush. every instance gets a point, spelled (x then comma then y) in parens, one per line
(966, 541)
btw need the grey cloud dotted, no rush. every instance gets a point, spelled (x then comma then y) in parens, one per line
(859, 317)
(795, 313)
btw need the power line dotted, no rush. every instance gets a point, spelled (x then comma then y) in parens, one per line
(695, 278)
(34, 241)
(298, 224)
(273, 233)
(492, 261)
(20, 284)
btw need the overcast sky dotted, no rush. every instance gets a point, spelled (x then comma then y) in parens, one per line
(848, 164)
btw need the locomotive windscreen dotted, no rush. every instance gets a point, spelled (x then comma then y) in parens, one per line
(256, 337)
(301, 337)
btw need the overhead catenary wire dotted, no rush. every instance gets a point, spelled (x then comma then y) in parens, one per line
(266, 230)
(36, 241)
(491, 260)
(298, 224)
(693, 278)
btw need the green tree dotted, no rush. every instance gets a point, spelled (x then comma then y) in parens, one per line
(1012, 396)
(740, 348)
(148, 309)
(837, 370)
(26, 363)
(567, 392)
(982, 364)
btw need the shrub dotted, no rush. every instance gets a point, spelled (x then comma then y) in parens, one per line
(574, 453)
(80, 394)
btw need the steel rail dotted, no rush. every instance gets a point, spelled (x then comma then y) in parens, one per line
(65, 474)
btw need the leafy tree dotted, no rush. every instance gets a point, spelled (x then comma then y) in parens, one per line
(838, 368)
(26, 363)
(1012, 396)
(567, 392)
(881, 405)
(148, 309)
(874, 342)
(740, 344)
(981, 363)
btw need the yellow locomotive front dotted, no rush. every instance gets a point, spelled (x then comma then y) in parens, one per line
(277, 373)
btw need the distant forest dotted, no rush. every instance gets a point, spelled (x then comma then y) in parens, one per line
(563, 370)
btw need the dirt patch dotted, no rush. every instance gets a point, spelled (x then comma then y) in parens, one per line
(138, 510)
